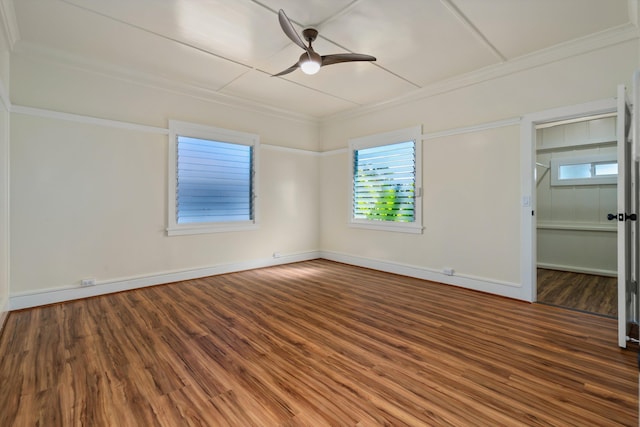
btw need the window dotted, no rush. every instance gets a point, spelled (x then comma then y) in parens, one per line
(386, 176)
(590, 170)
(211, 179)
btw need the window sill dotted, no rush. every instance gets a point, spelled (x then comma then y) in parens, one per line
(389, 226)
(181, 230)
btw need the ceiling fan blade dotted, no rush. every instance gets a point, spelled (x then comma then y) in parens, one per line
(288, 29)
(287, 71)
(336, 58)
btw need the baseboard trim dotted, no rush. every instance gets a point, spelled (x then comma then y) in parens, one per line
(574, 269)
(505, 289)
(34, 299)
(52, 296)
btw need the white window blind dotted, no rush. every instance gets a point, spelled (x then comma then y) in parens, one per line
(386, 171)
(384, 182)
(214, 181)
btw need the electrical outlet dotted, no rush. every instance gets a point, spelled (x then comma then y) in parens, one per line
(88, 282)
(448, 271)
(276, 255)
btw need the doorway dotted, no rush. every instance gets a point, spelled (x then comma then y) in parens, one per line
(576, 187)
(625, 216)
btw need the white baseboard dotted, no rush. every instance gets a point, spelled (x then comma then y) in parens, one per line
(505, 289)
(578, 269)
(52, 296)
(34, 299)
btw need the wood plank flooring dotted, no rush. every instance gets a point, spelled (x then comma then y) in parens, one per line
(585, 292)
(312, 344)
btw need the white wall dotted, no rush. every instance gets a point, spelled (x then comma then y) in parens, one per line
(573, 233)
(472, 203)
(4, 210)
(89, 200)
(4, 178)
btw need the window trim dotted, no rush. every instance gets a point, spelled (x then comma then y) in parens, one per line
(186, 129)
(388, 138)
(558, 162)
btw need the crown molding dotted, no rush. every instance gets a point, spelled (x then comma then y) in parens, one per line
(556, 53)
(593, 42)
(9, 23)
(34, 51)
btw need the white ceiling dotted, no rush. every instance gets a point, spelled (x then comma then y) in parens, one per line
(232, 47)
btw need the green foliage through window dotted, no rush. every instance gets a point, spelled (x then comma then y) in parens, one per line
(384, 182)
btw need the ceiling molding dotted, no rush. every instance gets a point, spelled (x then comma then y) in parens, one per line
(601, 40)
(576, 47)
(9, 23)
(36, 52)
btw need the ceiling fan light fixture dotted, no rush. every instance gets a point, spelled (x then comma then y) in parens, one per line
(309, 66)
(310, 62)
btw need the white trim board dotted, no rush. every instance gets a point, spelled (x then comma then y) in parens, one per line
(474, 128)
(52, 296)
(505, 289)
(289, 149)
(574, 269)
(513, 121)
(79, 118)
(528, 259)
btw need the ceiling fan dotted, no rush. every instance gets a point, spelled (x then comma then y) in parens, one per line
(310, 62)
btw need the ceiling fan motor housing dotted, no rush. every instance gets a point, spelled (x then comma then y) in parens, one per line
(310, 34)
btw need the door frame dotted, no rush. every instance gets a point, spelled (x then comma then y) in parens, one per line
(528, 246)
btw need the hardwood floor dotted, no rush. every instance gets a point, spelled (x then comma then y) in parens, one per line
(585, 292)
(312, 344)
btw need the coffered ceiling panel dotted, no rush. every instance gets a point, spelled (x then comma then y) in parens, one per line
(420, 40)
(93, 38)
(234, 46)
(519, 27)
(280, 93)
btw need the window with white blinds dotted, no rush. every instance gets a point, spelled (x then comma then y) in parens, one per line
(386, 176)
(384, 182)
(212, 180)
